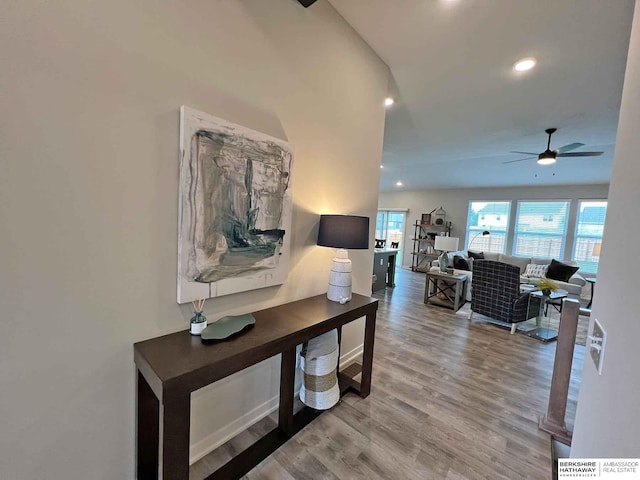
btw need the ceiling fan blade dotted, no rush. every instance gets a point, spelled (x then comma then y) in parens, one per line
(580, 154)
(571, 146)
(520, 159)
(524, 153)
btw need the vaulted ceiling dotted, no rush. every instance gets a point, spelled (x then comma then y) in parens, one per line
(461, 108)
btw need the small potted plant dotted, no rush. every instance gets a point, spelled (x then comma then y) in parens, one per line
(198, 321)
(546, 286)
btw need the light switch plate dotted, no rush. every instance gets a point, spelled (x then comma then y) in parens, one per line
(597, 341)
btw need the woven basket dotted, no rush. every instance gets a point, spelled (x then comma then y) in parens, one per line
(319, 362)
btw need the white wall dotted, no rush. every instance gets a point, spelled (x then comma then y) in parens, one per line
(456, 203)
(88, 190)
(608, 418)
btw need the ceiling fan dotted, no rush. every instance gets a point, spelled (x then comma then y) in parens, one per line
(548, 157)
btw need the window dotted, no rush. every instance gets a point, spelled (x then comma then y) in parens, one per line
(589, 229)
(491, 216)
(390, 226)
(541, 229)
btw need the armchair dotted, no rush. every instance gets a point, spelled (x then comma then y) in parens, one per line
(495, 292)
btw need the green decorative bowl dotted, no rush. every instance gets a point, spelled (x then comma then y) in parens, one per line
(227, 327)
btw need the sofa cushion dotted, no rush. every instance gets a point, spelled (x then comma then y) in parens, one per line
(574, 291)
(461, 263)
(541, 261)
(492, 256)
(577, 279)
(560, 271)
(547, 261)
(517, 261)
(535, 271)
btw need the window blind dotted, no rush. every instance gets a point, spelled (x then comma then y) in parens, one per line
(589, 230)
(540, 229)
(491, 216)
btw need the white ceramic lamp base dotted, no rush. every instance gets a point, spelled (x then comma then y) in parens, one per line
(339, 289)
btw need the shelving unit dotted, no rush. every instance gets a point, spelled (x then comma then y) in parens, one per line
(423, 239)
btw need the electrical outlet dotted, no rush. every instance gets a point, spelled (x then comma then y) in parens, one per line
(597, 341)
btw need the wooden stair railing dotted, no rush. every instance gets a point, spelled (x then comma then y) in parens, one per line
(553, 422)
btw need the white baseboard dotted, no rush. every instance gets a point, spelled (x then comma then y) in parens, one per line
(347, 358)
(208, 444)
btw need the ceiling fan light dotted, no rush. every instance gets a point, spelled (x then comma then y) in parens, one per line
(546, 160)
(548, 157)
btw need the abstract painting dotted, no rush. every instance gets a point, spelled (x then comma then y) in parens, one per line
(235, 208)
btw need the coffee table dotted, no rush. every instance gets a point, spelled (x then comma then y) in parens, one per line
(542, 332)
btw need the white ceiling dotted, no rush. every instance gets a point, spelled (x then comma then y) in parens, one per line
(460, 108)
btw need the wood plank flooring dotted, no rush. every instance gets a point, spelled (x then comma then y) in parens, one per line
(450, 400)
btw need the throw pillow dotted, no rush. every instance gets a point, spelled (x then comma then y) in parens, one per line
(460, 263)
(560, 271)
(535, 271)
(476, 255)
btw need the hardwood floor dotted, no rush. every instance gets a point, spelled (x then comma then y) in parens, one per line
(450, 400)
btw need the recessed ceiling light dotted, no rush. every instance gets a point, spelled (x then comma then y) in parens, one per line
(388, 101)
(525, 64)
(381, 166)
(398, 184)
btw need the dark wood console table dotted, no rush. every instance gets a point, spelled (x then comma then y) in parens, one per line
(172, 366)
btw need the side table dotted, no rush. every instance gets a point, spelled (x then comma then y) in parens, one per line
(541, 332)
(445, 289)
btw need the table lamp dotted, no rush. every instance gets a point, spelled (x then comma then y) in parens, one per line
(445, 244)
(342, 232)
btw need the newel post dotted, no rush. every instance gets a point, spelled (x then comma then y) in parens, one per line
(553, 422)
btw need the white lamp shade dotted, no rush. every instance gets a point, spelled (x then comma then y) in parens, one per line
(446, 244)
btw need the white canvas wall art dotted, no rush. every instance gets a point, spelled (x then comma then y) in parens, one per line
(235, 208)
